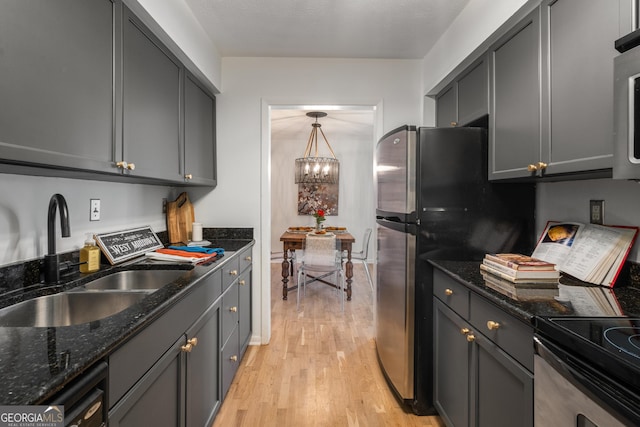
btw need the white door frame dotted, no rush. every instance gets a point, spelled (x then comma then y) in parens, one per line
(265, 188)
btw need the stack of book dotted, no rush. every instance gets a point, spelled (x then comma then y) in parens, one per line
(520, 277)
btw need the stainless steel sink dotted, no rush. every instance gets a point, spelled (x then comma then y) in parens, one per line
(68, 308)
(133, 280)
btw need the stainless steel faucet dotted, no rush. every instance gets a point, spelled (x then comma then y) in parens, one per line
(51, 261)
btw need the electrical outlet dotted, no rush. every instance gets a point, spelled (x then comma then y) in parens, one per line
(94, 211)
(596, 211)
(164, 205)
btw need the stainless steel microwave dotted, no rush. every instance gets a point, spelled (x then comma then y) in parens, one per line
(626, 150)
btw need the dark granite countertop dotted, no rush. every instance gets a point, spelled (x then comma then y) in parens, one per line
(36, 362)
(574, 299)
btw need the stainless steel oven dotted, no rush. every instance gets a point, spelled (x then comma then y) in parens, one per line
(587, 372)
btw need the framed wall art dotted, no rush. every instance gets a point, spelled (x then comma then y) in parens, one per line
(318, 196)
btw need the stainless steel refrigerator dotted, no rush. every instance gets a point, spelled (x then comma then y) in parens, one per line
(434, 202)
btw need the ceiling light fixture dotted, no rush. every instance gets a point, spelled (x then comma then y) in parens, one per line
(317, 170)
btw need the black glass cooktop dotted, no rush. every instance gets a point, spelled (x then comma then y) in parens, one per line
(610, 345)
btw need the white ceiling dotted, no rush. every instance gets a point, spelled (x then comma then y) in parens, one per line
(338, 124)
(392, 29)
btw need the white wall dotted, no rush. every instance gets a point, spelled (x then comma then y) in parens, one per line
(475, 24)
(569, 201)
(24, 203)
(177, 20)
(250, 86)
(350, 134)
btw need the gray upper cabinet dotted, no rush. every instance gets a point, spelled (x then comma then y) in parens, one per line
(551, 96)
(466, 99)
(150, 113)
(514, 118)
(577, 119)
(446, 107)
(199, 133)
(473, 92)
(56, 104)
(94, 90)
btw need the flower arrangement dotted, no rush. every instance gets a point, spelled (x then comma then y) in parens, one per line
(319, 216)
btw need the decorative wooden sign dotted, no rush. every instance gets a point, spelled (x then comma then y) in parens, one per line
(124, 245)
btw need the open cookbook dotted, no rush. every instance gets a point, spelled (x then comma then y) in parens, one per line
(589, 252)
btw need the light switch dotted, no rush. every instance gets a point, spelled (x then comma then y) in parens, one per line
(94, 213)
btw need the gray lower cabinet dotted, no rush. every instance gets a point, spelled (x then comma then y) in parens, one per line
(230, 340)
(483, 360)
(203, 396)
(244, 310)
(245, 306)
(177, 358)
(452, 367)
(56, 103)
(178, 369)
(158, 397)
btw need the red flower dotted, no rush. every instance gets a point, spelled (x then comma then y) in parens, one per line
(319, 215)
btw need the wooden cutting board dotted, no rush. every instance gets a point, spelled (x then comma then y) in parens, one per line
(180, 217)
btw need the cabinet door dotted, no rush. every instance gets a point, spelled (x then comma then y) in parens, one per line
(56, 99)
(578, 96)
(203, 367)
(514, 129)
(503, 389)
(244, 310)
(158, 398)
(151, 133)
(199, 133)
(446, 108)
(230, 362)
(451, 366)
(473, 93)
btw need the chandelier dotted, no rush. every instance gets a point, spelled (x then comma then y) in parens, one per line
(316, 169)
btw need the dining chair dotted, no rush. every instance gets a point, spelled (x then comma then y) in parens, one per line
(321, 255)
(362, 254)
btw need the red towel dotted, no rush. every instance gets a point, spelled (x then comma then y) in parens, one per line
(187, 254)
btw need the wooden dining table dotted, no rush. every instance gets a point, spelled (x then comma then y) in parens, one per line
(293, 239)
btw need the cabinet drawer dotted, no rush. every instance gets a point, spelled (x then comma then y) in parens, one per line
(230, 272)
(229, 312)
(230, 361)
(245, 259)
(512, 335)
(452, 293)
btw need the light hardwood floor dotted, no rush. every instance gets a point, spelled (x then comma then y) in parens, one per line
(320, 368)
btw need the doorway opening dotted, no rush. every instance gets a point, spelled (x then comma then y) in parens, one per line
(352, 131)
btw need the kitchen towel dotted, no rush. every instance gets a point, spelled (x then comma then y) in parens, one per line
(175, 258)
(181, 256)
(198, 249)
